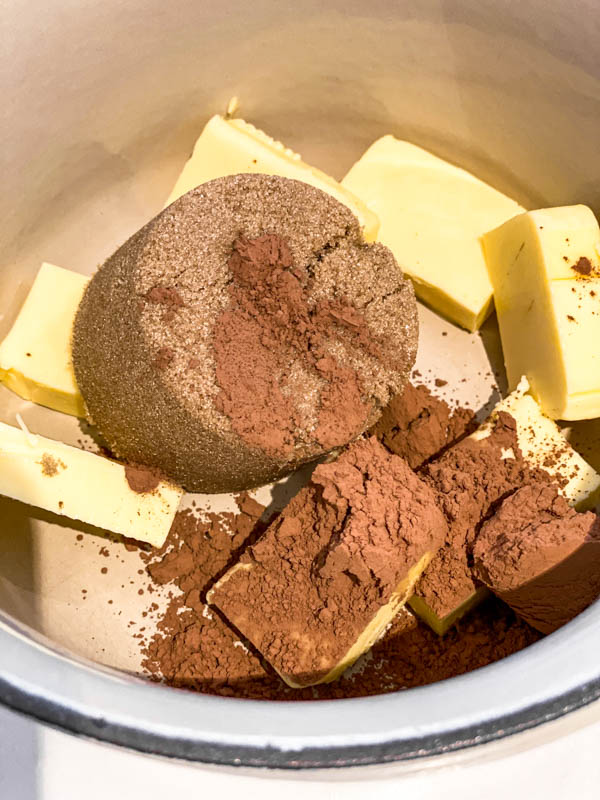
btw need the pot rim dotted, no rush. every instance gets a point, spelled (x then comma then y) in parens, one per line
(544, 681)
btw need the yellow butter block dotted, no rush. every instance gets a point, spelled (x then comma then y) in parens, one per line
(545, 269)
(431, 216)
(441, 625)
(35, 357)
(232, 146)
(82, 486)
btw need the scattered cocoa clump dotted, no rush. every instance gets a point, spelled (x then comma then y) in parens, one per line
(142, 479)
(583, 266)
(418, 426)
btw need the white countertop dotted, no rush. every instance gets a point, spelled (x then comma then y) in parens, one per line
(559, 761)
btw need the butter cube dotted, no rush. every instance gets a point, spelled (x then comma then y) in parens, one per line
(431, 215)
(35, 357)
(545, 269)
(232, 146)
(335, 567)
(543, 446)
(83, 486)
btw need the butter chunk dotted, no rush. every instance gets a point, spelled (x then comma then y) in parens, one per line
(35, 356)
(431, 216)
(82, 486)
(544, 446)
(333, 570)
(473, 476)
(232, 146)
(545, 269)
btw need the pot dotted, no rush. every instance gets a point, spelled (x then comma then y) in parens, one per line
(104, 102)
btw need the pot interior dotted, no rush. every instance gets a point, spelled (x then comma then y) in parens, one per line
(100, 128)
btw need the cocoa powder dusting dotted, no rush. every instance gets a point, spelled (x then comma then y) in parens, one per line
(307, 590)
(271, 319)
(583, 266)
(164, 356)
(541, 556)
(167, 297)
(51, 466)
(471, 477)
(195, 649)
(418, 426)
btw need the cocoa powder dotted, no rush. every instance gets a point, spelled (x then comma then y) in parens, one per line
(196, 650)
(192, 646)
(142, 479)
(306, 591)
(418, 426)
(583, 266)
(471, 477)
(168, 297)
(271, 317)
(541, 556)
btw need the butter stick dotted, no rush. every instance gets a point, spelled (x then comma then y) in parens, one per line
(232, 146)
(82, 486)
(35, 356)
(473, 476)
(431, 215)
(545, 269)
(332, 571)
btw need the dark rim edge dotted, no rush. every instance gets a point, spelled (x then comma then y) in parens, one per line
(73, 722)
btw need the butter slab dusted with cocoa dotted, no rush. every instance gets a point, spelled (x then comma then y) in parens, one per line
(541, 557)
(517, 444)
(332, 571)
(545, 269)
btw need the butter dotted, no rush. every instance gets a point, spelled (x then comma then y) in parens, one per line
(336, 566)
(542, 445)
(378, 625)
(35, 356)
(431, 216)
(82, 486)
(441, 625)
(232, 146)
(549, 312)
(365, 639)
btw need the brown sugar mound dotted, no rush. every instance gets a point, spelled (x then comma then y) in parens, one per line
(245, 330)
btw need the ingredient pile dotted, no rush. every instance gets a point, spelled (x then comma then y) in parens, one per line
(265, 324)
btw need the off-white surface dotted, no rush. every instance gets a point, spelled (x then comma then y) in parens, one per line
(556, 762)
